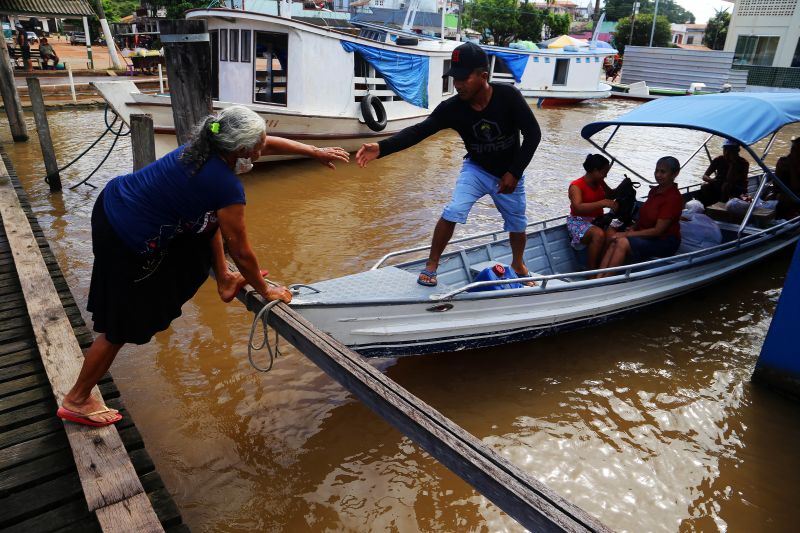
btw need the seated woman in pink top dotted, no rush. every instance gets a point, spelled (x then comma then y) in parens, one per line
(587, 198)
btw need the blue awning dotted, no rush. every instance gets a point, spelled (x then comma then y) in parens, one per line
(743, 117)
(406, 74)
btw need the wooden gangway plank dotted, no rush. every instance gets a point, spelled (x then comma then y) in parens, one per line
(41, 329)
(530, 502)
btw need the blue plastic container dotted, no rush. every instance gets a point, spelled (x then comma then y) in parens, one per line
(494, 273)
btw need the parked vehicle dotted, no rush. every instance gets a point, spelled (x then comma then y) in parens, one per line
(32, 37)
(77, 37)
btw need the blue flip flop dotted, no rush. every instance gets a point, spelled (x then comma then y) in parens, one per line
(432, 281)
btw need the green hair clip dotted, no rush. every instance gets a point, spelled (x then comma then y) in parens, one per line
(214, 127)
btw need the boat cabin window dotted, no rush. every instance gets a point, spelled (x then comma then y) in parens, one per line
(223, 45)
(233, 49)
(499, 71)
(561, 70)
(247, 46)
(368, 80)
(271, 69)
(447, 81)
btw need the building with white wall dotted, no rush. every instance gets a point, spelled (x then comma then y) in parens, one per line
(688, 33)
(765, 33)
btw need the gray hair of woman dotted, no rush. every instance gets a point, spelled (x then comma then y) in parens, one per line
(232, 129)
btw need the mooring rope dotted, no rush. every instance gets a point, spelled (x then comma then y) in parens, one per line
(262, 316)
(109, 128)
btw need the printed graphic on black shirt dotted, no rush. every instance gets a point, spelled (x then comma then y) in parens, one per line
(486, 130)
(491, 135)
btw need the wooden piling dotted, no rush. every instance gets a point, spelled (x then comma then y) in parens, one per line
(16, 120)
(143, 144)
(530, 502)
(188, 55)
(43, 129)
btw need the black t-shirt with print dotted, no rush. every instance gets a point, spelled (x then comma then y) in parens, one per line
(491, 136)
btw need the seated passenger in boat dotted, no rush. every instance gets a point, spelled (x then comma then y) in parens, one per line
(587, 198)
(657, 233)
(698, 230)
(729, 178)
(787, 169)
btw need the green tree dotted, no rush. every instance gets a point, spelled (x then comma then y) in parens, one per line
(117, 9)
(717, 30)
(641, 32)
(531, 21)
(618, 9)
(176, 8)
(556, 25)
(498, 17)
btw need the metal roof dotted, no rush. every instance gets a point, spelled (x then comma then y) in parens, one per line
(50, 8)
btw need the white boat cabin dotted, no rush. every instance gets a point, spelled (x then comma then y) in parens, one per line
(301, 68)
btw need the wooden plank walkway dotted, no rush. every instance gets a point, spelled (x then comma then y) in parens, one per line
(40, 489)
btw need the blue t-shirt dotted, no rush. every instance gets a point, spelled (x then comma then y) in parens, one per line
(154, 204)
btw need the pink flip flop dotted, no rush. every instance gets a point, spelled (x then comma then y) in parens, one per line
(80, 418)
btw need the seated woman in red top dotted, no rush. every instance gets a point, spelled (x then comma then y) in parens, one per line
(587, 198)
(658, 231)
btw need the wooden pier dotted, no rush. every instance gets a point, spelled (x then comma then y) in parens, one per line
(56, 475)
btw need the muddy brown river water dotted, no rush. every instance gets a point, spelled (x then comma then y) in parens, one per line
(650, 424)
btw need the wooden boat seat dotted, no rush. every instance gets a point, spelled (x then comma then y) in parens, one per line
(760, 217)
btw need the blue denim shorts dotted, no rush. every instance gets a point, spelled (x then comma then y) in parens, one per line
(474, 183)
(647, 248)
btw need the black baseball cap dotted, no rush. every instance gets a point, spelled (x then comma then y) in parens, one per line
(465, 59)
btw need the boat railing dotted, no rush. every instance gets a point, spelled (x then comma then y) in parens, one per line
(636, 270)
(493, 234)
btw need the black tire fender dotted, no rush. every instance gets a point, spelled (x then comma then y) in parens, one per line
(407, 41)
(373, 112)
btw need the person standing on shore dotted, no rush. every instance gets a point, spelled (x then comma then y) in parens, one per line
(24, 48)
(489, 117)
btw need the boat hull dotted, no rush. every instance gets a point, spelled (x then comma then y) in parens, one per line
(468, 321)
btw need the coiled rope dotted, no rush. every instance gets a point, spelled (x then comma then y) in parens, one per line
(109, 128)
(262, 316)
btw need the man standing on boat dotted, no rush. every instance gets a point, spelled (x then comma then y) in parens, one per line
(489, 117)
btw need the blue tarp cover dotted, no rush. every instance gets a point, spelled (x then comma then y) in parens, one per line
(743, 117)
(515, 62)
(405, 74)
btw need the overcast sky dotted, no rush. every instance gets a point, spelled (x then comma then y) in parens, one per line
(704, 9)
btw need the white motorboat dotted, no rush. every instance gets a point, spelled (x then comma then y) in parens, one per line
(311, 83)
(384, 312)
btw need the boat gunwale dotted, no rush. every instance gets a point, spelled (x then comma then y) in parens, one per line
(633, 274)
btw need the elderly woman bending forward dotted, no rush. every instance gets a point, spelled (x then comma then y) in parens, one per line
(158, 231)
(657, 232)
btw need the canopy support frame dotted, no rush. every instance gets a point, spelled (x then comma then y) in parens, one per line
(704, 145)
(615, 160)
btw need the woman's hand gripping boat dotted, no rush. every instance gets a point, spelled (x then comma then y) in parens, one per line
(384, 312)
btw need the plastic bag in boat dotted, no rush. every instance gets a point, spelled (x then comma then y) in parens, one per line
(494, 273)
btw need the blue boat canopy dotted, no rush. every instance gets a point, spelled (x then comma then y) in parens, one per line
(406, 74)
(743, 117)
